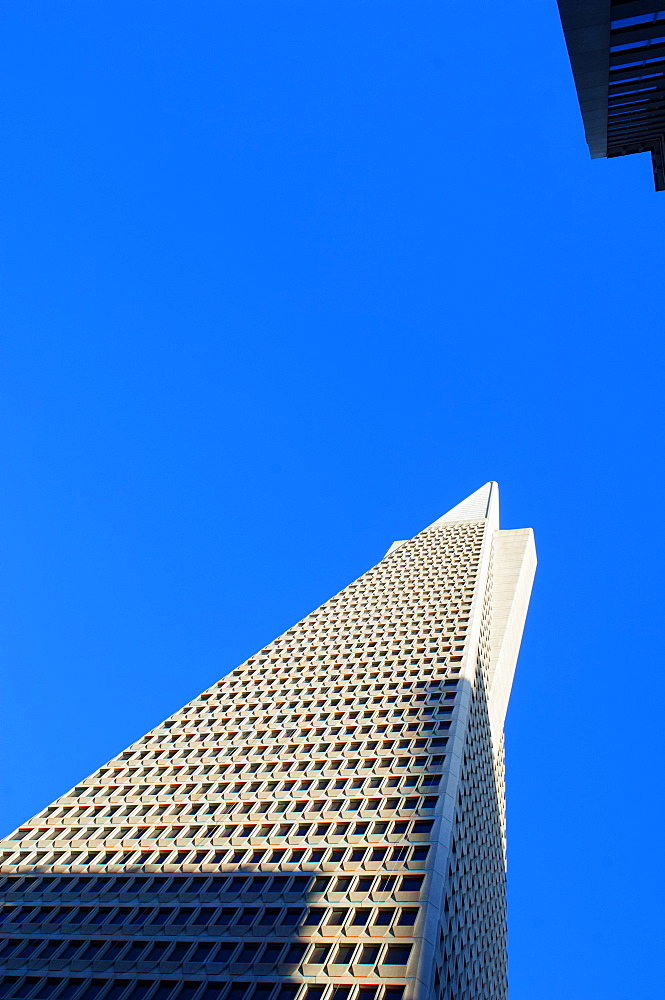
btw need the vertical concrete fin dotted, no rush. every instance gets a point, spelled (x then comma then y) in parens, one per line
(481, 504)
(514, 566)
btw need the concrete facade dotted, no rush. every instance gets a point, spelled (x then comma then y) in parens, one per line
(325, 823)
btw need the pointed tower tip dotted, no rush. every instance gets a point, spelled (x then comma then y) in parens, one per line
(483, 503)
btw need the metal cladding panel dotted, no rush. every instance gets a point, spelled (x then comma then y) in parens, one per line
(617, 54)
(586, 26)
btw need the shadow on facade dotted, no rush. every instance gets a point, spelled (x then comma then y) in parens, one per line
(143, 935)
(240, 934)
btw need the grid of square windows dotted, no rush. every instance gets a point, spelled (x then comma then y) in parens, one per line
(283, 824)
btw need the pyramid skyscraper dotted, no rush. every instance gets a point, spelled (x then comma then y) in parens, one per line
(325, 823)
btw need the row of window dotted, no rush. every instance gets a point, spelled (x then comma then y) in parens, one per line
(290, 680)
(411, 633)
(218, 743)
(298, 713)
(281, 830)
(191, 812)
(280, 665)
(391, 785)
(199, 773)
(261, 919)
(195, 757)
(366, 658)
(180, 858)
(404, 784)
(384, 694)
(192, 763)
(337, 855)
(404, 801)
(212, 917)
(160, 757)
(285, 680)
(362, 629)
(367, 723)
(365, 623)
(53, 988)
(255, 953)
(304, 698)
(335, 701)
(197, 884)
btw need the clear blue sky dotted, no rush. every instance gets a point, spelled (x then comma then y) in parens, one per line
(281, 282)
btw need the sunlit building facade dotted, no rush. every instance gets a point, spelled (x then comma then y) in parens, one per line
(325, 823)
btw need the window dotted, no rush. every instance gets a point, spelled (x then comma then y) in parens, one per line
(269, 917)
(200, 954)
(295, 953)
(423, 826)
(343, 954)
(237, 991)
(397, 954)
(225, 951)
(319, 954)
(287, 992)
(272, 953)
(411, 883)
(292, 917)
(224, 918)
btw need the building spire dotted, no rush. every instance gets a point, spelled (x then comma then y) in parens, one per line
(483, 503)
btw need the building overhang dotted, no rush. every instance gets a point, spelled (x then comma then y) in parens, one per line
(617, 54)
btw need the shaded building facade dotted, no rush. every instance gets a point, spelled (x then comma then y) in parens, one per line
(617, 54)
(325, 823)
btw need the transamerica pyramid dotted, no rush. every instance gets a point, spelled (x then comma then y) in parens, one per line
(325, 823)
